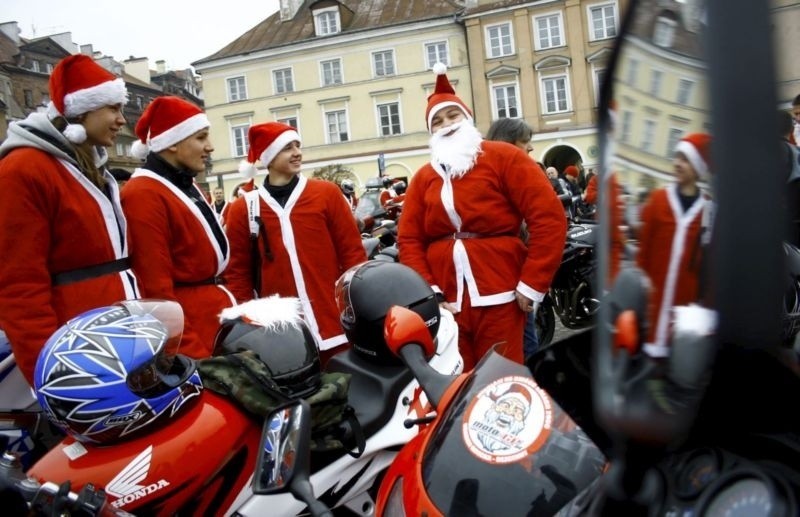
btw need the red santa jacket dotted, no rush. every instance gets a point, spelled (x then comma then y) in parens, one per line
(313, 240)
(616, 208)
(490, 201)
(54, 220)
(670, 253)
(176, 255)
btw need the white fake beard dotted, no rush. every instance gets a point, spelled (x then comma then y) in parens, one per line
(458, 151)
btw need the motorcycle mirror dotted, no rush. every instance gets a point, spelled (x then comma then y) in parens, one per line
(403, 326)
(284, 448)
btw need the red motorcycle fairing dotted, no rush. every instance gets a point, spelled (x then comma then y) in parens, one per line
(195, 465)
(516, 451)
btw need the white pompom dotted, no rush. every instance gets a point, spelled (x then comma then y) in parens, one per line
(271, 312)
(439, 68)
(75, 133)
(247, 170)
(140, 150)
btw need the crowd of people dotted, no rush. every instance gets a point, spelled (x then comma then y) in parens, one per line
(482, 222)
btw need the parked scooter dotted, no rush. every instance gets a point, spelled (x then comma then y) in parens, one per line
(198, 455)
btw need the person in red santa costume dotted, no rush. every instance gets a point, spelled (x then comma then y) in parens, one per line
(64, 234)
(178, 247)
(307, 235)
(460, 228)
(676, 227)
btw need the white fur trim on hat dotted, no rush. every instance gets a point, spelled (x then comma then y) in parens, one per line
(438, 107)
(179, 132)
(83, 101)
(693, 155)
(273, 312)
(247, 170)
(275, 147)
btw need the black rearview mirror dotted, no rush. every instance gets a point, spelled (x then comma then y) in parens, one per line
(284, 448)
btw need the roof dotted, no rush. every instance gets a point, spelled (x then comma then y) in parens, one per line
(8, 49)
(366, 15)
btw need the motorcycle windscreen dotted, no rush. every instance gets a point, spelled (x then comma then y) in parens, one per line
(516, 451)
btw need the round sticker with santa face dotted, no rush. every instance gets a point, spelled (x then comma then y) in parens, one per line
(508, 420)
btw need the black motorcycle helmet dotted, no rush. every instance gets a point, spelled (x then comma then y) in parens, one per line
(284, 343)
(399, 187)
(364, 293)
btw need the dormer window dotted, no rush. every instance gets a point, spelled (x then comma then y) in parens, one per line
(664, 32)
(326, 21)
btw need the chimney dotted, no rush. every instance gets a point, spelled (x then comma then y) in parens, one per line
(289, 8)
(161, 66)
(12, 30)
(138, 67)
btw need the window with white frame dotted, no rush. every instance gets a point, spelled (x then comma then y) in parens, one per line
(282, 80)
(625, 126)
(656, 77)
(675, 134)
(556, 96)
(331, 72)
(664, 32)
(685, 87)
(326, 21)
(35, 66)
(548, 31)
(603, 19)
(383, 63)
(436, 53)
(506, 104)
(239, 140)
(599, 76)
(648, 135)
(237, 90)
(289, 121)
(389, 119)
(498, 40)
(48, 67)
(632, 72)
(336, 126)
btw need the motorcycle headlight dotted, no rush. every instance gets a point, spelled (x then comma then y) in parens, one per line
(394, 503)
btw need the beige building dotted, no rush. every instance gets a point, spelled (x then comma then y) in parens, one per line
(353, 77)
(543, 61)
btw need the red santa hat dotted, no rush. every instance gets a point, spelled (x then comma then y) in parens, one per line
(266, 141)
(78, 85)
(443, 95)
(572, 170)
(166, 121)
(696, 147)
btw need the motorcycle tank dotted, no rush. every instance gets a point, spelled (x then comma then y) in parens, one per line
(195, 465)
(538, 459)
(583, 234)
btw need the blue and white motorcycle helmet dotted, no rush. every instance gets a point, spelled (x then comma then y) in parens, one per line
(114, 371)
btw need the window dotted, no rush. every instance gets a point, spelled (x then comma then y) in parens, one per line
(49, 67)
(237, 91)
(684, 91)
(625, 133)
(336, 123)
(648, 135)
(239, 140)
(604, 21)
(505, 101)
(389, 119)
(675, 134)
(35, 66)
(140, 102)
(331, 72)
(498, 40)
(548, 31)
(383, 63)
(633, 71)
(283, 80)
(664, 32)
(28, 94)
(123, 149)
(436, 53)
(555, 94)
(599, 77)
(655, 82)
(289, 121)
(326, 21)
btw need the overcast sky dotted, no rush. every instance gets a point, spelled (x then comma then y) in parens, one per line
(176, 31)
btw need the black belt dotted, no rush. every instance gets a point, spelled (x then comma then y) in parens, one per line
(214, 280)
(89, 272)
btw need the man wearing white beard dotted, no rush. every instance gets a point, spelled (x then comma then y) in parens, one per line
(460, 228)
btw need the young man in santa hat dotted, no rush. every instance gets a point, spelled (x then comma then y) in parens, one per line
(292, 236)
(63, 235)
(460, 228)
(675, 229)
(178, 247)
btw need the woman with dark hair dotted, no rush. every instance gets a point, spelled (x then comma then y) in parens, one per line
(64, 235)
